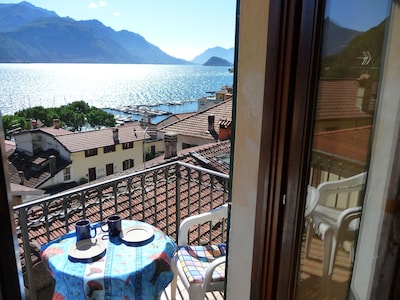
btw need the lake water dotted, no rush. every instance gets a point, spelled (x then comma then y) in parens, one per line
(107, 85)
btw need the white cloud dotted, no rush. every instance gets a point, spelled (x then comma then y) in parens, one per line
(116, 13)
(97, 5)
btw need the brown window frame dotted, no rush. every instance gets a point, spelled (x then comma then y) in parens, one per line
(289, 102)
(91, 152)
(128, 163)
(127, 145)
(108, 149)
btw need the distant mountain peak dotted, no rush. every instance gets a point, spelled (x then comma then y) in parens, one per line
(227, 54)
(217, 61)
(32, 34)
(336, 37)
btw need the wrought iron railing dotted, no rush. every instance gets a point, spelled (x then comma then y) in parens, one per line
(161, 196)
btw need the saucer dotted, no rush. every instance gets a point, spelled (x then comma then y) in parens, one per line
(87, 249)
(136, 234)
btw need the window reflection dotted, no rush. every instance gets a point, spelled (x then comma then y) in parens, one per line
(350, 61)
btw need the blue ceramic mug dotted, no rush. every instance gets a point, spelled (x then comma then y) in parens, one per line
(114, 225)
(84, 230)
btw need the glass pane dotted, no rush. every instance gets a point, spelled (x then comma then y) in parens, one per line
(350, 65)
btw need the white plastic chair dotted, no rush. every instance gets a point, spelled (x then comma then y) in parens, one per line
(333, 225)
(215, 259)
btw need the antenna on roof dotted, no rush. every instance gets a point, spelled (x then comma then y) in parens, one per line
(366, 58)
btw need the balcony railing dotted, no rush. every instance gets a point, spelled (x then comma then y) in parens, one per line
(161, 196)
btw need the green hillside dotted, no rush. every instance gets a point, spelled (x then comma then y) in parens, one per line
(348, 63)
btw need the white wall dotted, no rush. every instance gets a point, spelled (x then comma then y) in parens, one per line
(385, 138)
(81, 164)
(250, 94)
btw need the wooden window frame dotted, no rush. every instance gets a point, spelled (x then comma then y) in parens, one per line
(294, 38)
(289, 101)
(91, 152)
(108, 149)
(127, 145)
(67, 173)
(128, 163)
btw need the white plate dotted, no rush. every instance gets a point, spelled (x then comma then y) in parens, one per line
(136, 234)
(86, 249)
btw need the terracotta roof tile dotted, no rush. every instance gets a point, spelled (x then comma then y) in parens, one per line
(352, 143)
(197, 124)
(337, 99)
(34, 175)
(55, 131)
(81, 141)
(10, 146)
(164, 190)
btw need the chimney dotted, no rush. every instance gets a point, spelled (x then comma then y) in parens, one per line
(52, 164)
(21, 177)
(224, 132)
(115, 135)
(34, 124)
(211, 121)
(170, 144)
(364, 92)
(56, 123)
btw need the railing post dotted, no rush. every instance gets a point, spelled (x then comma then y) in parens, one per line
(166, 200)
(178, 199)
(143, 183)
(129, 183)
(155, 196)
(27, 253)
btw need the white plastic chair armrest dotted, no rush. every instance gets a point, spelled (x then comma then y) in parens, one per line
(214, 214)
(210, 270)
(312, 199)
(349, 214)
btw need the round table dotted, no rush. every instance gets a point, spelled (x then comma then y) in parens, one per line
(124, 270)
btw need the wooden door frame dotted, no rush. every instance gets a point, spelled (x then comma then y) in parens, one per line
(289, 99)
(11, 285)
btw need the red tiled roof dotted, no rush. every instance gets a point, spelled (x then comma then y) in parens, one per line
(352, 143)
(173, 118)
(17, 189)
(193, 199)
(10, 146)
(81, 141)
(337, 99)
(34, 175)
(197, 124)
(209, 152)
(55, 131)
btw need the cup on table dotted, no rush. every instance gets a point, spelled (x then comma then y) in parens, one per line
(84, 230)
(114, 225)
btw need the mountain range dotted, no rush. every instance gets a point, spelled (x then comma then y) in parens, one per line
(226, 54)
(32, 34)
(336, 37)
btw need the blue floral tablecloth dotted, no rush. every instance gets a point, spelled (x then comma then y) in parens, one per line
(123, 271)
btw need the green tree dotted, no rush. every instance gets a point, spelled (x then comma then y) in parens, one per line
(13, 124)
(79, 107)
(35, 113)
(97, 118)
(74, 116)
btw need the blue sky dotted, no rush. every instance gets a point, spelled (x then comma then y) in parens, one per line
(357, 14)
(181, 28)
(186, 28)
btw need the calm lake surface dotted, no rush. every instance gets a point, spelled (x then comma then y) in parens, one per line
(107, 85)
